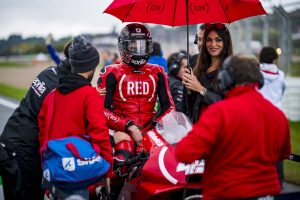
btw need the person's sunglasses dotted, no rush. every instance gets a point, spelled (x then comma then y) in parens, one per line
(216, 26)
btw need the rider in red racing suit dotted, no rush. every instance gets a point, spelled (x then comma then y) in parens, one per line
(133, 86)
(131, 95)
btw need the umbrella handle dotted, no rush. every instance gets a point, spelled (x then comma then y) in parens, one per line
(190, 69)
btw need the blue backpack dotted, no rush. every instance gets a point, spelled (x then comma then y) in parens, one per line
(72, 163)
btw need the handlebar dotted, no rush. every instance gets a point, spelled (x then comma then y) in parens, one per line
(140, 157)
(294, 157)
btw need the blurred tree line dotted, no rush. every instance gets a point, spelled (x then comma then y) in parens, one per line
(168, 37)
(16, 45)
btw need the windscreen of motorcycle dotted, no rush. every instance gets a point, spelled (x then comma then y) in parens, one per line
(174, 126)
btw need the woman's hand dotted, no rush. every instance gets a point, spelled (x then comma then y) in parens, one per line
(191, 82)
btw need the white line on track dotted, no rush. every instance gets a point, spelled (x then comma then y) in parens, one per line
(8, 103)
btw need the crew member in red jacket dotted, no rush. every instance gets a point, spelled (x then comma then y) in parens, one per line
(241, 138)
(133, 86)
(78, 107)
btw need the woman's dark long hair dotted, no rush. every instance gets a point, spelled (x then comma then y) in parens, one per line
(205, 59)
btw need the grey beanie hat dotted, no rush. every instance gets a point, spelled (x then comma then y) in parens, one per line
(83, 56)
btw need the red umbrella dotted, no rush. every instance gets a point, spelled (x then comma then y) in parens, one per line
(176, 13)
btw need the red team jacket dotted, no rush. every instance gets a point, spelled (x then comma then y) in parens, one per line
(241, 138)
(76, 113)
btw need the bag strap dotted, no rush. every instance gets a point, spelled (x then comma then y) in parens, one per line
(76, 153)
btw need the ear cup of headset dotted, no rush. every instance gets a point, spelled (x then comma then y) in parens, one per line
(225, 76)
(175, 66)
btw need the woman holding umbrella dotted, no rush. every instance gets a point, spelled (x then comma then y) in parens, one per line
(202, 82)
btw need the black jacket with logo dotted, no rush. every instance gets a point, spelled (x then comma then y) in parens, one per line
(20, 134)
(21, 128)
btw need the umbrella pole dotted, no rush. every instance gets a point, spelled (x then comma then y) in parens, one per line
(190, 68)
(187, 34)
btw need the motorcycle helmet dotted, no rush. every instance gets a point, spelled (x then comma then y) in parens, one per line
(135, 44)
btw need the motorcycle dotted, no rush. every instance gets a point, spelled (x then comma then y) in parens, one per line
(154, 173)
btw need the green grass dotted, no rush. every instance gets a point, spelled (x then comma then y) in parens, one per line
(291, 168)
(295, 69)
(12, 92)
(6, 64)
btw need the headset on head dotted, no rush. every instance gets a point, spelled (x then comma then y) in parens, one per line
(175, 65)
(226, 79)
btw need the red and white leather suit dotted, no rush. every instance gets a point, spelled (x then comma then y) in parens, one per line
(131, 95)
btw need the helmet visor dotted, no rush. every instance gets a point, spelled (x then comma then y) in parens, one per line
(138, 47)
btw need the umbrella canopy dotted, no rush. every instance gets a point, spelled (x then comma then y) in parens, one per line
(184, 12)
(176, 13)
